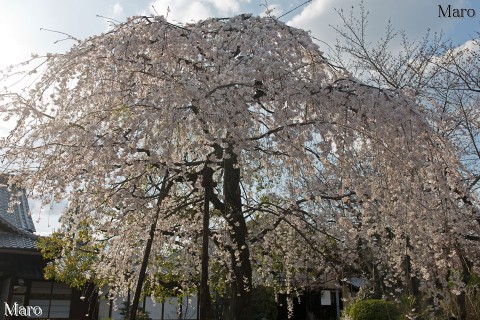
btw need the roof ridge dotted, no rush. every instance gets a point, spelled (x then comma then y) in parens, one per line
(13, 197)
(16, 229)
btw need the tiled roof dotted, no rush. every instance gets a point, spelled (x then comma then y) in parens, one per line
(20, 216)
(358, 282)
(17, 241)
(16, 228)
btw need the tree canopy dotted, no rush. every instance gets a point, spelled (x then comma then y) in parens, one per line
(310, 170)
(443, 78)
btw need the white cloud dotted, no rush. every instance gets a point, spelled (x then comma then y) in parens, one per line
(14, 39)
(181, 10)
(413, 16)
(188, 11)
(117, 9)
(226, 6)
(311, 12)
(273, 9)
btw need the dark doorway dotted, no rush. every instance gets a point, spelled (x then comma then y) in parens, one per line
(312, 305)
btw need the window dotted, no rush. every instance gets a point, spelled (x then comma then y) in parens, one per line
(52, 297)
(326, 298)
(19, 291)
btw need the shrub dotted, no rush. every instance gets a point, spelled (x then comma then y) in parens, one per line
(264, 305)
(141, 314)
(373, 309)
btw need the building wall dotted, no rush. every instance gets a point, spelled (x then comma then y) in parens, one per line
(169, 310)
(4, 290)
(322, 304)
(55, 300)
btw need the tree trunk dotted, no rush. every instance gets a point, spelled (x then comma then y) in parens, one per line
(148, 248)
(467, 265)
(239, 295)
(143, 269)
(205, 301)
(462, 297)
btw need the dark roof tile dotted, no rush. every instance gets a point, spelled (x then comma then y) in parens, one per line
(16, 241)
(16, 228)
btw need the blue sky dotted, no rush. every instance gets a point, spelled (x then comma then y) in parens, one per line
(21, 22)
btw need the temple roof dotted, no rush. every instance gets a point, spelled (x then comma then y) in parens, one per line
(16, 227)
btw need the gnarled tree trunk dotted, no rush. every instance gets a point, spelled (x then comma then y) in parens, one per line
(239, 291)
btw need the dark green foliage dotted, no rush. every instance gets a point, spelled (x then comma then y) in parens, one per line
(263, 305)
(69, 259)
(141, 315)
(373, 309)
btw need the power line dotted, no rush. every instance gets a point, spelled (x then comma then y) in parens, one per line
(294, 8)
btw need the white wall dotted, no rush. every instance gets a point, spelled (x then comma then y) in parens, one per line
(170, 309)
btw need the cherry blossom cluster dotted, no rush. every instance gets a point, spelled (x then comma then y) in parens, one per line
(336, 177)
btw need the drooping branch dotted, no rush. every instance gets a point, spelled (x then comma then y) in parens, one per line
(167, 184)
